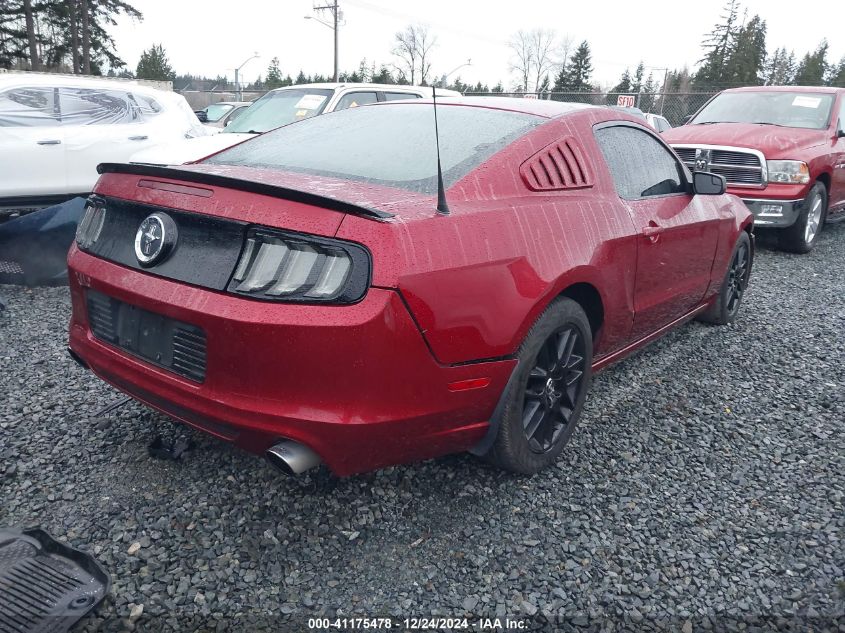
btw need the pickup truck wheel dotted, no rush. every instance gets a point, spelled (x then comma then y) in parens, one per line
(546, 398)
(801, 236)
(729, 299)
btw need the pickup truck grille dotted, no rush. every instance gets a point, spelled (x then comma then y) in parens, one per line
(741, 168)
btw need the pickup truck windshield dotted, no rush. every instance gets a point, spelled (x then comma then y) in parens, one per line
(391, 144)
(808, 110)
(279, 108)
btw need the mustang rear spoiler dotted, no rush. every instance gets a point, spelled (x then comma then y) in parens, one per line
(216, 180)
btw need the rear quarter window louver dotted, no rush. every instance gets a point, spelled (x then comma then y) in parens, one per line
(557, 167)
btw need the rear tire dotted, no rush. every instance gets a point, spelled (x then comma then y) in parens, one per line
(802, 236)
(728, 301)
(545, 400)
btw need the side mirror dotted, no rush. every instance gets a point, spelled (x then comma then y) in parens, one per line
(706, 184)
(226, 124)
(687, 118)
(202, 115)
(840, 133)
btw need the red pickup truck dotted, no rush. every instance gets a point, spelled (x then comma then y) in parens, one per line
(780, 148)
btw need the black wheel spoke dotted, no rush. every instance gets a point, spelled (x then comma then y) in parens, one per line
(553, 387)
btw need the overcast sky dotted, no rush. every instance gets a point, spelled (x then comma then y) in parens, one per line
(204, 37)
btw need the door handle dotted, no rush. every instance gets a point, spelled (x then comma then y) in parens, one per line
(138, 138)
(652, 231)
(54, 141)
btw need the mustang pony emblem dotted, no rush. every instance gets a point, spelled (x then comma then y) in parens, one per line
(154, 239)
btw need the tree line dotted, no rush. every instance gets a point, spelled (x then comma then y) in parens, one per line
(72, 36)
(61, 35)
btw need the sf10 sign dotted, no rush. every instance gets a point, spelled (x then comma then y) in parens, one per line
(626, 101)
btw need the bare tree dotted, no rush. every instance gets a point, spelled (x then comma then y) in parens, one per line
(542, 44)
(522, 58)
(413, 48)
(565, 46)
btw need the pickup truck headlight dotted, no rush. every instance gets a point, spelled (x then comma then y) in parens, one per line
(286, 266)
(794, 172)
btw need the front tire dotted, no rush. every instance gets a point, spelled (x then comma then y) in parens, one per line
(727, 303)
(545, 400)
(801, 236)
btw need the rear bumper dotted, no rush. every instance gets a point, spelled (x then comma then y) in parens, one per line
(357, 384)
(774, 213)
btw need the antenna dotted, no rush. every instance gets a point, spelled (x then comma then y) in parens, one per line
(442, 207)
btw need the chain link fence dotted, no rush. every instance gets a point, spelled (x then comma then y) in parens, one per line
(676, 106)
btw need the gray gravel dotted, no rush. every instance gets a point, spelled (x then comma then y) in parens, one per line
(703, 489)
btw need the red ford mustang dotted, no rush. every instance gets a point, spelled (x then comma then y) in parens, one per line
(302, 296)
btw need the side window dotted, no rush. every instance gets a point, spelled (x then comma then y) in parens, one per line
(640, 166)
(94, 106)
(28, 107)
(355, 99)
(238, 112)
(396, 96)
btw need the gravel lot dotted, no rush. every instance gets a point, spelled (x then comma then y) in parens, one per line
(704, 489)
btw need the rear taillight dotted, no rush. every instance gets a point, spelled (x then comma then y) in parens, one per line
(282, 266)
(89, 229)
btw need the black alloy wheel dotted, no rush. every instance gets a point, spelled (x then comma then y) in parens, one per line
(738, 277)
(545, 396)
(553, 387)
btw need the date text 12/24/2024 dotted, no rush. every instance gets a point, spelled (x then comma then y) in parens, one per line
(416, 624)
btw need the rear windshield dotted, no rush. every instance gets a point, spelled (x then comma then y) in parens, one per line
(788, 109)
(391, 145)
(280, 107)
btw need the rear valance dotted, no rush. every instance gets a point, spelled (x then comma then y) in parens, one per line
(217, 180)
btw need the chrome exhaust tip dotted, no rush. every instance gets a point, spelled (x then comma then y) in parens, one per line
(292, 458)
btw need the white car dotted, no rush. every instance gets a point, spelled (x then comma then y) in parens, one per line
(658, 122)
(280, 107)
(56, 129)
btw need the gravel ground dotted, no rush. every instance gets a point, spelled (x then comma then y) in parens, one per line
(703, 489)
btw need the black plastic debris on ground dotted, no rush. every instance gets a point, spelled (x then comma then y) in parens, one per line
(45, 586)
(172, 450)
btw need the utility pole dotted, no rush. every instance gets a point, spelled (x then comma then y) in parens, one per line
(334, 25)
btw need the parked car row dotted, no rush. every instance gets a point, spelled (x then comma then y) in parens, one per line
(280, 107)
(466, 266)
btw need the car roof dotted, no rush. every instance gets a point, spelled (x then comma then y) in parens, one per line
(396, 87)
(824, 89)
(51, 79)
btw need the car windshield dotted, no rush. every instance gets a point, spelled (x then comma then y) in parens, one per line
(280, 107)
(809, 110)
(390, 144)
(216, 111)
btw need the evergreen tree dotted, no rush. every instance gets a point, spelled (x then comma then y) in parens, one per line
(837, 75)
(718, 46)
(812, 70)
(745, 64)
(498, 88)
(383, 76)
(155, 65)
(575, 76)
(274, 75)
(66, 35)
(637, 82)
(647, 94)
(780, 68)
(300, 79)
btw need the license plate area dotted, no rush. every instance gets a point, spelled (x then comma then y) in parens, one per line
(174, 345)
